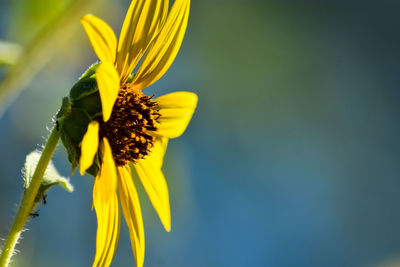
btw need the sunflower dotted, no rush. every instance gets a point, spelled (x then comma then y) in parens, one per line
(133, 129)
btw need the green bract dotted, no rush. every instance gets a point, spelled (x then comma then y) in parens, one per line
(51, 176)
(82, 106)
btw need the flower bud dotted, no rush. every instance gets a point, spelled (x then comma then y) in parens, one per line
(77, 111)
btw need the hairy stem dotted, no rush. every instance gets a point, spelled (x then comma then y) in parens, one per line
(28, 199)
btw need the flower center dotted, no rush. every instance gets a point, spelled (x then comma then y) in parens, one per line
(133, 115)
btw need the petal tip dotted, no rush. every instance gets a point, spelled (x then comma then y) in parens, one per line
(106, 115)
(167, 222)
(194, 98)
(86, 17)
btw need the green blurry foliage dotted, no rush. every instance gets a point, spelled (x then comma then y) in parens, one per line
(9, 53)
(30, 17)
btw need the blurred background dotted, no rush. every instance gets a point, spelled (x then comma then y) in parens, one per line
(291, 159)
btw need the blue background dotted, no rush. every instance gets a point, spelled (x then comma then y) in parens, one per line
(291, 159)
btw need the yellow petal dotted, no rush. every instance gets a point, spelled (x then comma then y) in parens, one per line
(176, 111)
(107, 177)
(108, 82)
(132, 212)
(157, 152)
(90, 143)
(165, 46)
(142, 23)
(154, 183)
(108, 224)
(105, 202)
(101, 36)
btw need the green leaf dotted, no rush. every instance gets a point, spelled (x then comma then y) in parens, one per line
(51, 176)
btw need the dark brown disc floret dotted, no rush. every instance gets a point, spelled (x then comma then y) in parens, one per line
(134, 115)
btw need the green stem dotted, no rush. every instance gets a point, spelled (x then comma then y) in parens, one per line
(28, 199)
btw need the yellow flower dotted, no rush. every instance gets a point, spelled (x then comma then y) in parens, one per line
(134, 128)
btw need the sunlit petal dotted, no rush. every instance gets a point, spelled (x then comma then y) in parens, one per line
(107, 177)
(154, 183)
(132, 212)
(165, 46)
(108, 223)
(142, 23)
(105, 202)
(101, 37)
(176, 111)
(108, 82)
(90, 143)
(157, 152)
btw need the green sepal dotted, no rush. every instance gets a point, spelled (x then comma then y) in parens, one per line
(90, 103)
(90, 71)
(51, 176)
(84, 87)
(94, 169)
(65, 108)
(72, 129)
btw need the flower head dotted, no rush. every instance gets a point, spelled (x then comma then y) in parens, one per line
(122, 126)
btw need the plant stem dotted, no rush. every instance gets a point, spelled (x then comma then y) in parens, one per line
(28, 198)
